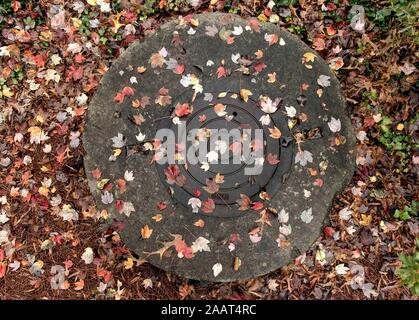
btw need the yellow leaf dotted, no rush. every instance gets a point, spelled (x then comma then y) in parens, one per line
(76, 22)
(7, 92)
(146, 232)
(104, 214)
(43, 191)
(262, 17)
(92, 2)
(39, 118)
(116, 23)
(308, 57)
(128, 264)
(46, 167)
(244, 94)
(117, 152)
(237, 263)
(365, 220)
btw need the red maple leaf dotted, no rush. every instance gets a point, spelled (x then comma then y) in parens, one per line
(259, 66)
(272, 159)
(221, 72)
(171, 173)
(208, 206)
(119, 204)
(182, 110)
(128, 91)
(244, 202)
(257, 205)
(328, 232)
(161, 205)
(119, 97)
(181, 247)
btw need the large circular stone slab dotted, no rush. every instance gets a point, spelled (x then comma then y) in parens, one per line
(204, 205)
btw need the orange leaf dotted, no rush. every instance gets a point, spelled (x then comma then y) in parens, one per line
(146, 232)
(199, 223)
(275, 133)
(79, 285)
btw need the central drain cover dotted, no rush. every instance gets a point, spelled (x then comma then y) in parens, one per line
(230, 123)
(216, 146)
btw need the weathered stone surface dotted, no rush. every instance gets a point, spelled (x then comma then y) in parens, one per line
(306, 189)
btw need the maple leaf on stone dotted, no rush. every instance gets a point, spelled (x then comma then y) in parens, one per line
(259, 66)
(127, 208)
(219, 178)
(208, 206)
(107, 197)
(211, 186)
(166, 246)
(118, 141)
(307, 215)
(254, 235)
(195, 203)
(163, 100)
(264, 218)
(244, 202)
(257, 205)
(334, 125)
(221, 72)
(157, 60)
(182, 110)
(237, 30)
(283, 216)
(271, 38)
(272, 159)
(200, 244)
(217, 268)
(254, 25)
(146, 232)
(265, 120)
(323, 81)
(291, 111)
(219, 109)
(275, 133)
(269, 106)
(211, 31)
(212, 156)
(244, 94)
(303, 157)
(171, 173)
(182, 249)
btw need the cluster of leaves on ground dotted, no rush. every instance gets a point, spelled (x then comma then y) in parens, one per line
(52, 244)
